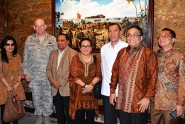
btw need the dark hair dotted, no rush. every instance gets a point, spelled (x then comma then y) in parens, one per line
(172, 33)
(111, 24)
(4, 57)
(80, 43)
(134, 26)
(66, 36)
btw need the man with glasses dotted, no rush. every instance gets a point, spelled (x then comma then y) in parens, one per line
(108, 55)
(170, 92)
(135, 73)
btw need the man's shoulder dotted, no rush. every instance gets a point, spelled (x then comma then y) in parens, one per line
(179, 53)
(50, 36)
(30, 37)
(122, 43)
(122, 50)
(105, 46)
(149, 53)
(146, 49)
(54, 52)
(71, 50)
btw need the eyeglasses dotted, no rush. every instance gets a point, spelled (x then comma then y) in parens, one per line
(133, 35)
(83, 46)
(7, 44)
(164, 36)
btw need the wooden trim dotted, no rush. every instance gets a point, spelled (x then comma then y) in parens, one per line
(150, 23)
(53, 16)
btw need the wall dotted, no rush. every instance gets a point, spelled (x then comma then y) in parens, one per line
(171, 14)
(22, 13)
(21, 16)
(2, 19)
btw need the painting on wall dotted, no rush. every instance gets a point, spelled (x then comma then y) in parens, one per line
(90, 18)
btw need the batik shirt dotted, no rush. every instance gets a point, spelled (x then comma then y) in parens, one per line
(80, 70)
(135, 72)
(11, 71)
(171, 80)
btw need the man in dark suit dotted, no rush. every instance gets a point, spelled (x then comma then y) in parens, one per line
(57, 72)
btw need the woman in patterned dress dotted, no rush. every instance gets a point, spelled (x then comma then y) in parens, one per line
(83, 76)
(10, 73)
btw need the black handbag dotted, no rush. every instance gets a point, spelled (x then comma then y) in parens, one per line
(97, 86)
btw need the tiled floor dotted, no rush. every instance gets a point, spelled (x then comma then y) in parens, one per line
(30, 118)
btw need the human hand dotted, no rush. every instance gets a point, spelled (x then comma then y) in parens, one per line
(56, 84)
(16, 85)
(112, 99)
(179, 110)
(87, 89)
(27, 78)
(9, 88)
(144, 104)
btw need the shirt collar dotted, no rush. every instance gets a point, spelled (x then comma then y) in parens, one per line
(135, 49)
(62, 50)
(116, 45)
(166, 52)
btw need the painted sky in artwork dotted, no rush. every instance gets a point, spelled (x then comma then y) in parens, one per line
(109, 8)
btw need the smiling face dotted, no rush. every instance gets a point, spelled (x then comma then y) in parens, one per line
(62, 42)
(9, 46)
(85, 47)
(40, 26)
(134, 37)
(114, 33)
(166, 41)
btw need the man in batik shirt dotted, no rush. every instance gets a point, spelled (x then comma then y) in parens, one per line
(170, 93)
(135, 73)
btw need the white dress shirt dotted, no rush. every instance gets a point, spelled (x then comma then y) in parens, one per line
(108, 56)
(60, 54)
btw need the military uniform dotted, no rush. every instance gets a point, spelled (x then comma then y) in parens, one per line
(36, 56)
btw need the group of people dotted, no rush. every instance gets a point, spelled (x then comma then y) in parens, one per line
(133, 77)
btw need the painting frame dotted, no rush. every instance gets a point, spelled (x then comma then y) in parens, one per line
(150, 24)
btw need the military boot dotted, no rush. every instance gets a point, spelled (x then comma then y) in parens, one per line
(39, 120)
(46, 120)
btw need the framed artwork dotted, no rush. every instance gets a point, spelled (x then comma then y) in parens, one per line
(90, 18)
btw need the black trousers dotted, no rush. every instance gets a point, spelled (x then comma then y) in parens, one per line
(133, 118)
(110, 112)
(61, 104)
(83, 116)
(2, 111)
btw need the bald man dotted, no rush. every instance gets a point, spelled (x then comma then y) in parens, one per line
(37, 49)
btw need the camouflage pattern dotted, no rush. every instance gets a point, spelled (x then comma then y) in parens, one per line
(36, 56)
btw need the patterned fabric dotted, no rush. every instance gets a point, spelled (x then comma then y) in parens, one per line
(85, 72)
(36, 54)
(135, 72)
(171, 80)
(36, 57)
(11, 72)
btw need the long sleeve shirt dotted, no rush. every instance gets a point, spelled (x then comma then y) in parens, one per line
(36, 54)
(135, 72)
(108, 56)
(171, 80)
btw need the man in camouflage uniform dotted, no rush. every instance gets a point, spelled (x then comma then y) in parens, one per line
(38, 47)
